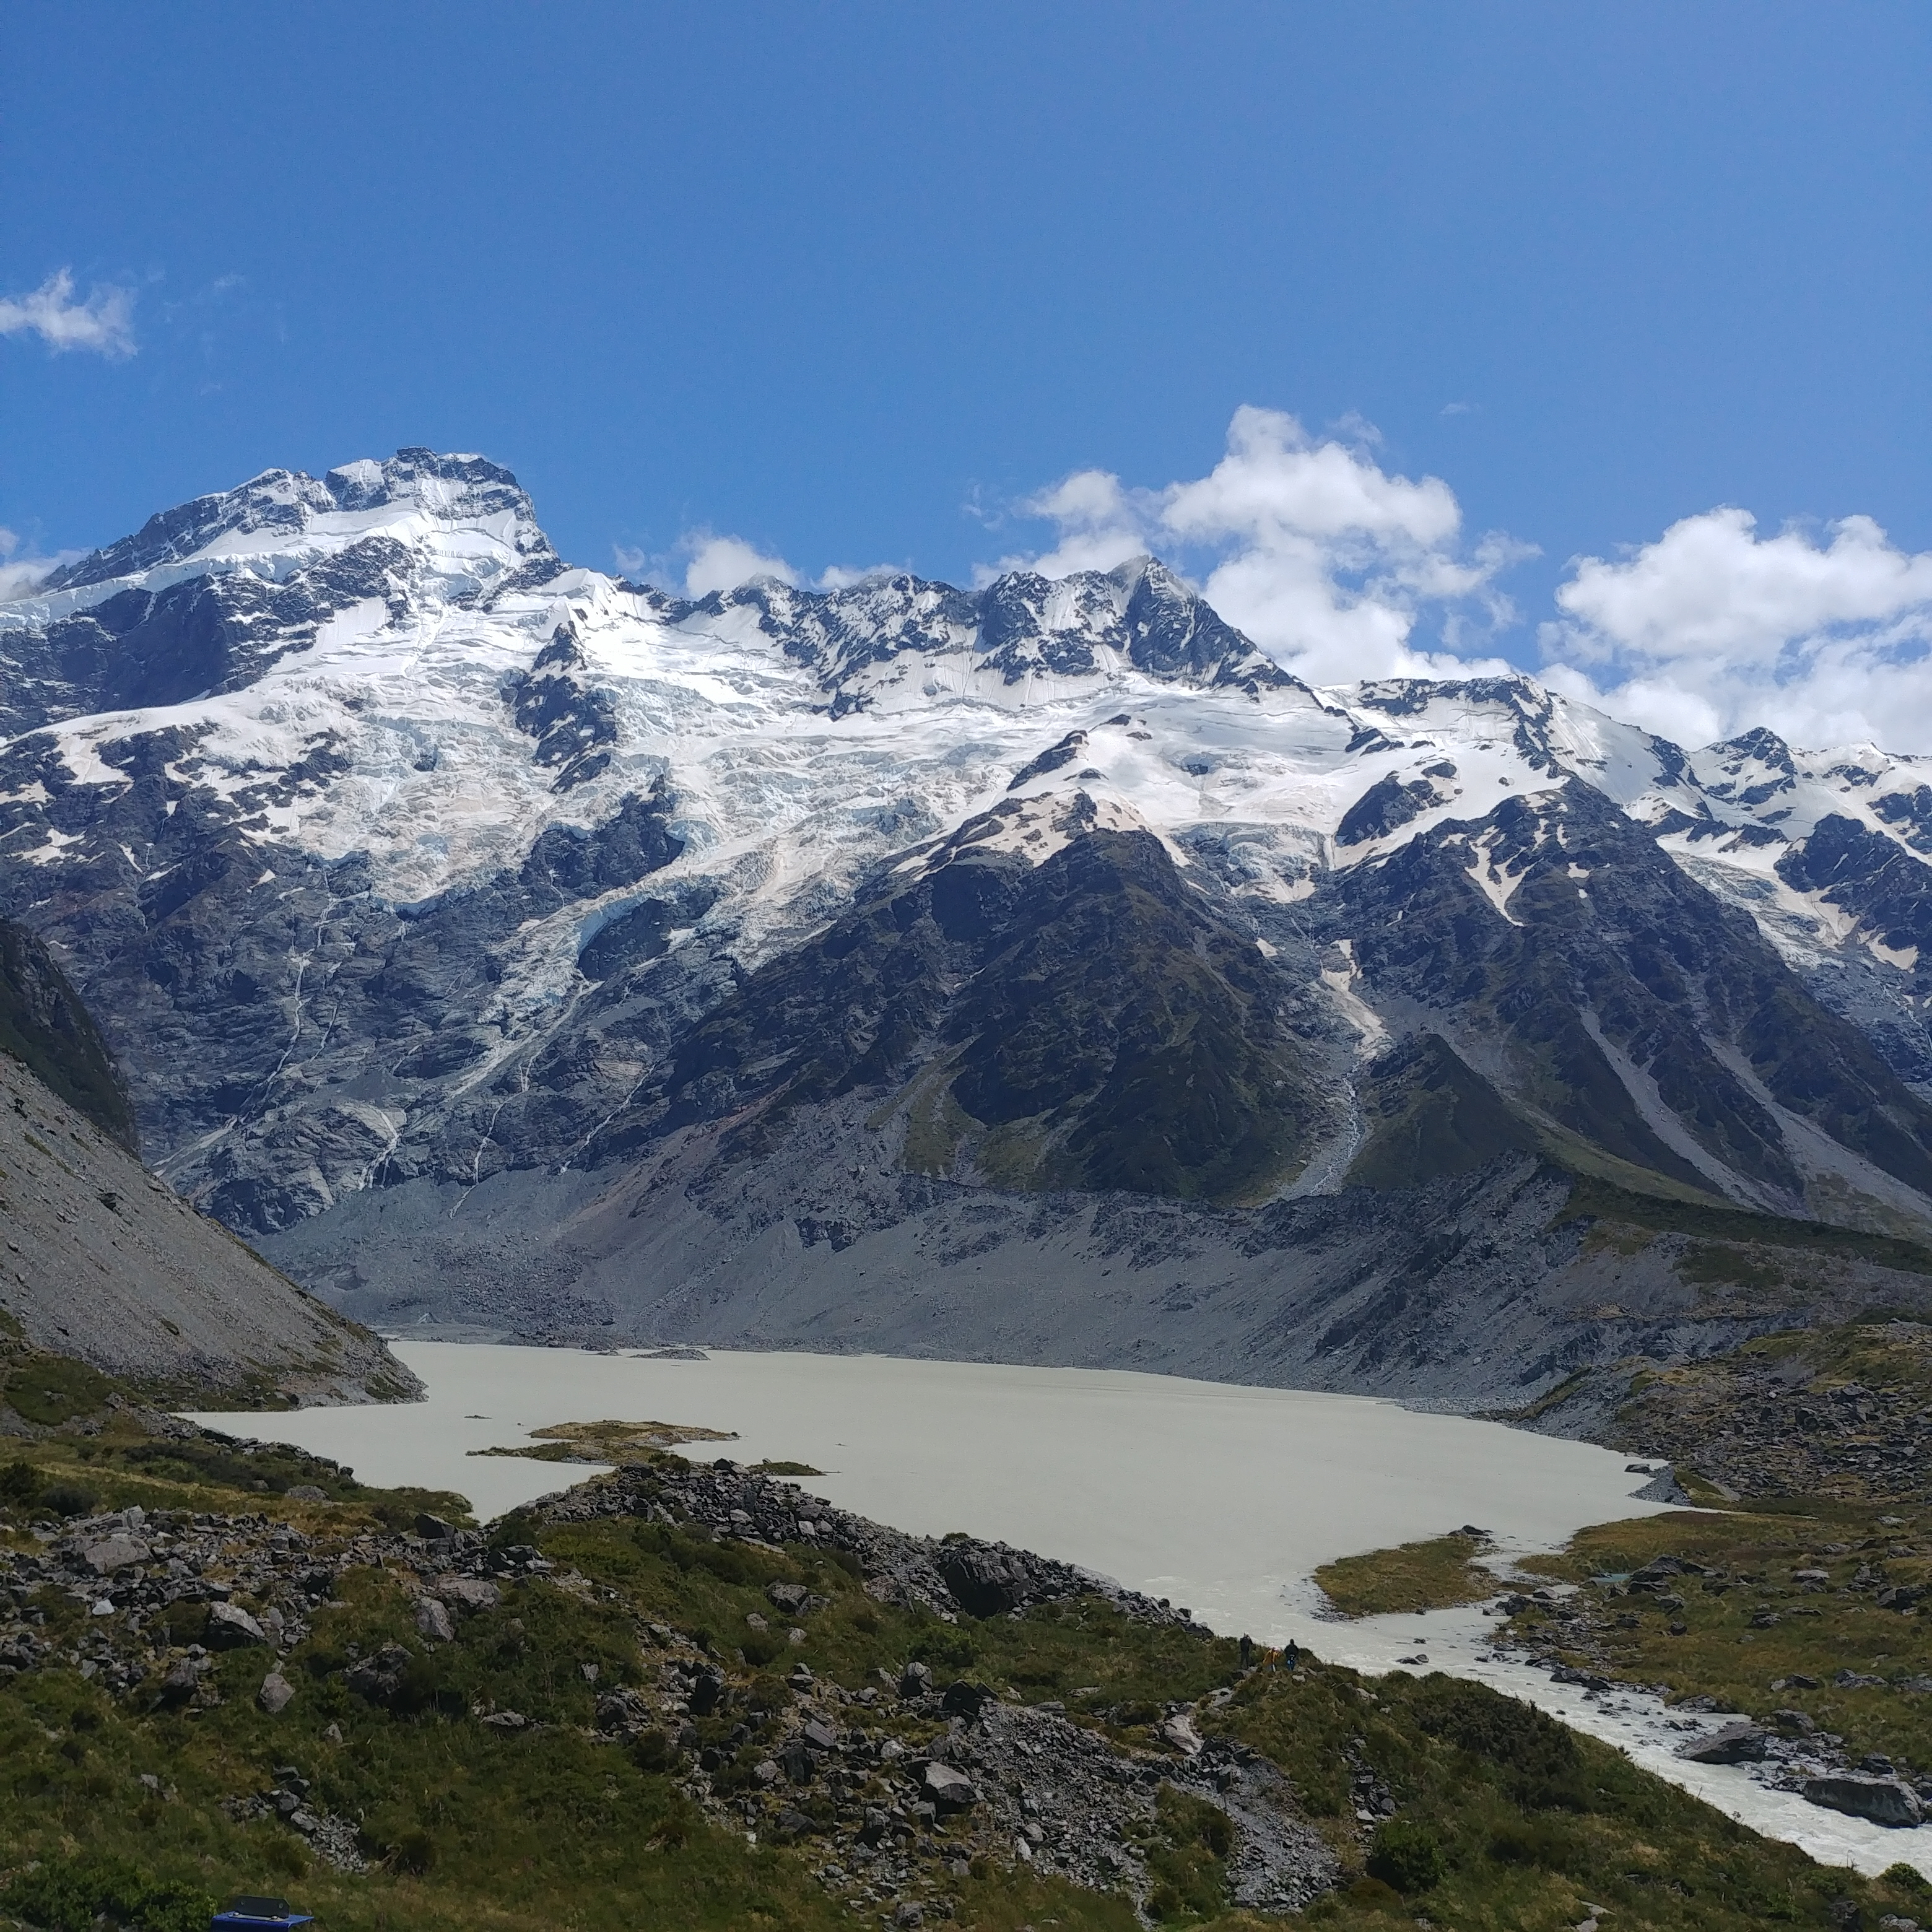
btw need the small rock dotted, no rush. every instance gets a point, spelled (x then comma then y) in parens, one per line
(379, 1678)
(432, 1619)
(820, 1735)
(507, 1721)
(306, 1493)
(276, 1694)
(789, 1597)
(966, 1699)
(179, 1680)
(915, 1681)
(434, 1529)
(116, 1553)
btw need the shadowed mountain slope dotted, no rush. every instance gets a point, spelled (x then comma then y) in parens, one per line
(45, 1028)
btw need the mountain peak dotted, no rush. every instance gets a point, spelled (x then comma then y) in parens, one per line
(288, 509)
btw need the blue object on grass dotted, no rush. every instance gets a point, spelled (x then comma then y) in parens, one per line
(262, 1914)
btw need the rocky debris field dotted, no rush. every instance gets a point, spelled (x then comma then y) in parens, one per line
(910, 1771)
(1842, 1412)
(1839, 1708)
(951, 1575)
(101, 1260)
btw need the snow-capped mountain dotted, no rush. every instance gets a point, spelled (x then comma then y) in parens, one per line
(397, 858)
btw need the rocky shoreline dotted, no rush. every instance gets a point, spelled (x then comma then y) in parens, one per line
(1791, 1752)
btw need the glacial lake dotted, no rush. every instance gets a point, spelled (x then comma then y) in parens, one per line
(1221, 1497)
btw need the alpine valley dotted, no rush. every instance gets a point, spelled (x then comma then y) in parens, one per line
(1038, 973)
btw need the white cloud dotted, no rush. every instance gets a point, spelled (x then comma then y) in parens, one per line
(19, 575)
(1712, 628)
(1321, 555)
(104, 323)
(849, 577)
(723, 563)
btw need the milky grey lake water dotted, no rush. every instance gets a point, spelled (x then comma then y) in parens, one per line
(1218, 1497)
(1221, 1498)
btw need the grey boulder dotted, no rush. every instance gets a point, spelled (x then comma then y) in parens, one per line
(947, 1789)
(231, 1627)
(432, 1619)
(1883, 1801)
(1735, 1743)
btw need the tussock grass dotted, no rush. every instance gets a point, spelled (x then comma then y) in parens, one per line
(1434, 1575)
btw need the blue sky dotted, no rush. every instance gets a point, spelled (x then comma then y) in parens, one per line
(855, 284)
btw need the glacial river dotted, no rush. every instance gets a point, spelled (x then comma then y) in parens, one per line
(1221, 1498)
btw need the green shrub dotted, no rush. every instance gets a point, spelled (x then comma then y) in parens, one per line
(1375, 1895)
(67, 1499)
(415, 1851)
(1536, 1759)
(69, 1894)
(19, 1484)
(1538, 1842)
(1407, 1856)
(49, 1390)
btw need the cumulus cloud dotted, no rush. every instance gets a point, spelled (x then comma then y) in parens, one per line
(104, 323)
(1823, 635)
(849, 577)
(19, 574)
(723, 563)
(1324, 558)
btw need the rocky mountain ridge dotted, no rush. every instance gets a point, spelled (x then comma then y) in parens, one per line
(424, 883)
